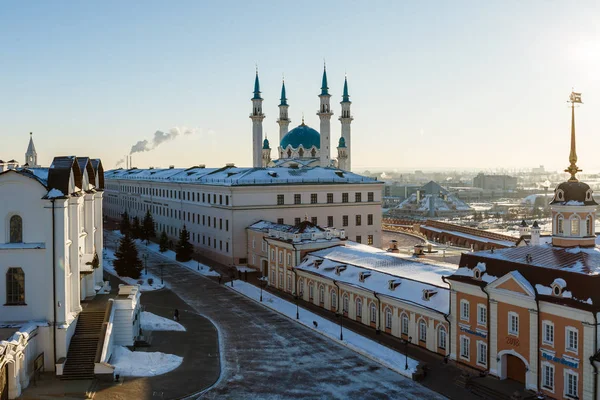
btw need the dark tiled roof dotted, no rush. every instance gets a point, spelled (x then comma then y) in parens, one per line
(60, 173)
(85, 165)
(574, 192)
(97, 165)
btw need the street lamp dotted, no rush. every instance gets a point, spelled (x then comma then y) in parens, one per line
(145, 257)
(161, 274)
(406, 351)
(260, 283)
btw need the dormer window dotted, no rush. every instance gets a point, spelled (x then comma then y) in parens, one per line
(318, 263)
(479, 270)
(588, 195)
(558, 286)
(394, 283)
(560, 195)
(339, 269)
(363, 275)
(428, 294)
(575, 226)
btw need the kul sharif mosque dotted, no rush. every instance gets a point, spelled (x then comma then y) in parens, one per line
(303, 146)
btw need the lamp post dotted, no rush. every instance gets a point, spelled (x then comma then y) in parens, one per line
(261, 285)
(161, 274)
(341, 325)
(406, 352)
(145, 257)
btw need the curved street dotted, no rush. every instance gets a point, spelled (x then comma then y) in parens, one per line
(267, 356)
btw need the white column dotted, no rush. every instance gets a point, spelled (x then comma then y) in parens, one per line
(493, 337)
(533, 350)
(588, 370)
(453, 325)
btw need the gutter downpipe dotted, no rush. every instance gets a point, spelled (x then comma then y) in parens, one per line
(54, 276)
(377, 330)
(446, 317)
(595, 352)
(339, 300)
(296, 295)
(489, 334)
(539, 330)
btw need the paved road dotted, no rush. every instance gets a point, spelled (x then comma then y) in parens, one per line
(267, 356)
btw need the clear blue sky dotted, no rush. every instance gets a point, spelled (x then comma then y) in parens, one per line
(434, 84)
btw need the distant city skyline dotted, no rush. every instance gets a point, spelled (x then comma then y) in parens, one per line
(460, 85)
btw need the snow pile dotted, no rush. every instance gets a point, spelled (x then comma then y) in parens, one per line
(153, 322)
(375, 351)
(141, 363)
(142, 281)
(545, 290)
(54, 193)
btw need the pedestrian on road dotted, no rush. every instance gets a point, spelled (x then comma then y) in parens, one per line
(176, 315)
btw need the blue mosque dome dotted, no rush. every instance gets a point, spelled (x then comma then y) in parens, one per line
(342, 142)
(302, 135)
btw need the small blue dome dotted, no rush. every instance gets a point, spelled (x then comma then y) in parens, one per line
(266, 144)
(302, 135)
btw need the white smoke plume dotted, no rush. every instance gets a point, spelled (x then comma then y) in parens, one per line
(119, 162)
(160, 137)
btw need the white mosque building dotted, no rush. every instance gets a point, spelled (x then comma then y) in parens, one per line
(303, 146)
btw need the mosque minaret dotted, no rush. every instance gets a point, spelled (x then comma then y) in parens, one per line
(302, 146)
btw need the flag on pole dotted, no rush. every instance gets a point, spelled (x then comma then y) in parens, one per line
(575, 97)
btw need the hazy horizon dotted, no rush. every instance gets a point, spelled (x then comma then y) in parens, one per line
(436, 85)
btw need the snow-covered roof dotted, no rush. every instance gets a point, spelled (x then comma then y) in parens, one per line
(471, 237)
(234, 176)
(414, 276)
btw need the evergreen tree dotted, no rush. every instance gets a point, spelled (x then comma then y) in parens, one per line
(164, 242)
(125, 225)
(136, 228)
(127, 262)
(148, 231)
(184, 248)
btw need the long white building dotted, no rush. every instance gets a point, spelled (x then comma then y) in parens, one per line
(218, 204)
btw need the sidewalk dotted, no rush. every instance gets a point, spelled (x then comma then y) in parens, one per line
(441, 376)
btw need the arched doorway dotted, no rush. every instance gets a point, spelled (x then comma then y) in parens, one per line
(515, 369)
(264, 268)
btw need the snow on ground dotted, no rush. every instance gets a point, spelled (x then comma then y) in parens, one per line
(170, 255)
(153, 322)
(367, 347)
(109, 256)
(141, 363)
(243, 268)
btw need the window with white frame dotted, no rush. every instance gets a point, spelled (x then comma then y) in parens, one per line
(481, 353)
(513, 323)
(464, 310)
(289, 283)
(548, 333)
(253, 243)
(333, 299)
(280, 256)
(559, 225)
(589, 226)
(571, 382)
(373, 313)
(263, 246)
(423, 331)
(388, 318)
(345, 304)
(273, 276)
(547, 376)
(272, 254)
(575, 226)
(300, 287)
(321, 294)
(465, 344)
(289, 259)
(311, 291)
(358, 307)
(281, 279)
(481, 314)
(571, 339)
(442, 338)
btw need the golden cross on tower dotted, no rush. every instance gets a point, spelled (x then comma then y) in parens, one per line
(573, 169)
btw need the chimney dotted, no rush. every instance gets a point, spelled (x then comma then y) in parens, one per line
(393, 246)
(523, 228)
(535, 234)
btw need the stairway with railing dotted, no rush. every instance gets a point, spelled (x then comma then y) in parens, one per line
(84, 344)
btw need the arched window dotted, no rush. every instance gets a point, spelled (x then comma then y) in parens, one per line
(311, 291)
(16, 229)
(333, 299)
(321, 294)
(575, 226)
(388, 318)
(559, 225)
(301, 153)
(422, 331)
(313, 152)
(301, 287)
(404, 327)
(358, 307)
(345, 304)
(589, 227)
(289, 153)
(373, 313)
(442, 338)
(15, 286)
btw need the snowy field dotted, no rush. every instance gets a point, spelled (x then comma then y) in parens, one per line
(153, 322)
(109, 256)
(141, 363)
(373, 350)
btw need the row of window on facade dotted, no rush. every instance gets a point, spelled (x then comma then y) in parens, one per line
(575, 223)
(15, 234)
(314, 198)
(203, 239)
(15, 287)
(330, 221)
(178, 194)
(571, 333)
(571, 380)
(358, 309)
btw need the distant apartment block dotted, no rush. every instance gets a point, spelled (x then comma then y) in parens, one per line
(495, 182)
